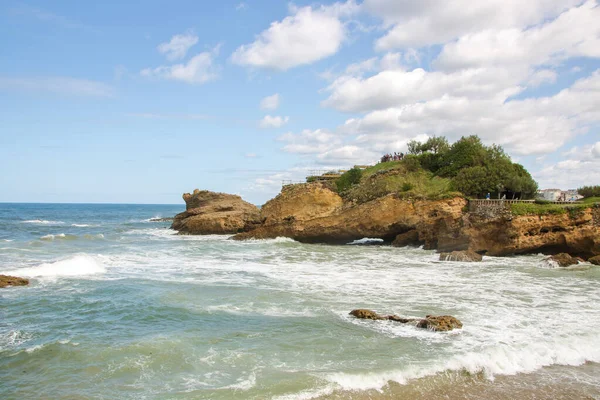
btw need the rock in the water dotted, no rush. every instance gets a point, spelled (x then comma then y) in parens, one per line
(439, 323)
(210, 213)
(406, 239)
(431, 322)
(6, 280)
(464, 256)
(594, 260)
(563, 259)
(366, 314)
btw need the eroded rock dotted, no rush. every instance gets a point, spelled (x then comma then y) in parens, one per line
(434, 323)
(7, 280)
(215, 213)
(563, 260)
(366, 314)
(594, 260)
(463, 256)
(440, 323)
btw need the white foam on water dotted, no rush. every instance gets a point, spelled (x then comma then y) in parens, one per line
(81, 225)
(7, 240)
(79, 265)
(43, 222)
(497, 360)
(260, 309)
(367, 241)
(243, 384)
(52, 237)
(13, 338)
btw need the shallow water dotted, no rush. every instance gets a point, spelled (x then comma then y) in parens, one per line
(120, 307)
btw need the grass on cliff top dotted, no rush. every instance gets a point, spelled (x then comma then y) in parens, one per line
(395, 177)
(548, 209)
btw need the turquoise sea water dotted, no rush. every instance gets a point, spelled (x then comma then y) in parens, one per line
(120, 307)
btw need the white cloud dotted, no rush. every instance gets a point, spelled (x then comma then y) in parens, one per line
(273, 122)
(60, 85)
(310, 141)
(581, 168)
(304, 37)
(178, 46)
(575, 32)
(429, 22)
(596, 150)
(270, 102)
(198, 70)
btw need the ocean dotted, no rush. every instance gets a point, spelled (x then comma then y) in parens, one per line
(120, 307)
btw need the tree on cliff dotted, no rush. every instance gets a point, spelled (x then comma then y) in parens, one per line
(589, 191)
(474, 169)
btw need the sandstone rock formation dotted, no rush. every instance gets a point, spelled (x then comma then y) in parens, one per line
(434, 323)
(575, 233)
(313, 213)
(464, 256)
(7, 280)
(215, 213)
(563, 260)
(595, 260)
(327, 219)
(439, 323)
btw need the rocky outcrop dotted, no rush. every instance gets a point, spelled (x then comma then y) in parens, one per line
(595, 260)
(410, 238)
(562, 260)
(439, 323)
(433, 323)
(215, 213)
(463, 256)
(577, 234)
(326, 219)
(7, 280)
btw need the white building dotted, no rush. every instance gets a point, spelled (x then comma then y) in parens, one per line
(549, 194)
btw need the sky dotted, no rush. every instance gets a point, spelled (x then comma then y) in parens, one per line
(129, 102)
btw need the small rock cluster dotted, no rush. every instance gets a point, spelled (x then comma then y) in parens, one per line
(433, 323)
(7, 280)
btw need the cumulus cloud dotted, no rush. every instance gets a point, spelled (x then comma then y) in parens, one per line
(575, 33)
(310, 141)
(428, 22)
(178, 46)
(596, 150)
(198, 70)
(582, 167)
(273, 122)
(270, 102)
(304, 37)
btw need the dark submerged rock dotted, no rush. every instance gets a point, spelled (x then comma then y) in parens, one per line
(563, 259)
(464, 256)
(7, 280)
(441, 323)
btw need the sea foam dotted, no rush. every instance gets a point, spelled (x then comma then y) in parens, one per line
(43, 222)
(79, 265)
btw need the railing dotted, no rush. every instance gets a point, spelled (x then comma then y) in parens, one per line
(508, 201)
(320, 172)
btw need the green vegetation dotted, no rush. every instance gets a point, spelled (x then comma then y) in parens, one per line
(547, 209)
(589, 191)
(348, 178)
(393, 177)
(591, 200)
(473, 168)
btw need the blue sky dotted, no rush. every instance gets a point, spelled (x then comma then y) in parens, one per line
(115, 102)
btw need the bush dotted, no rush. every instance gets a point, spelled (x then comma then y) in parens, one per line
(541, 201)
(589, 191)
(348, 178)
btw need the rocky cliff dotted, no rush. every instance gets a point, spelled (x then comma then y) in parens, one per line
(313, 213)
(215, 213)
